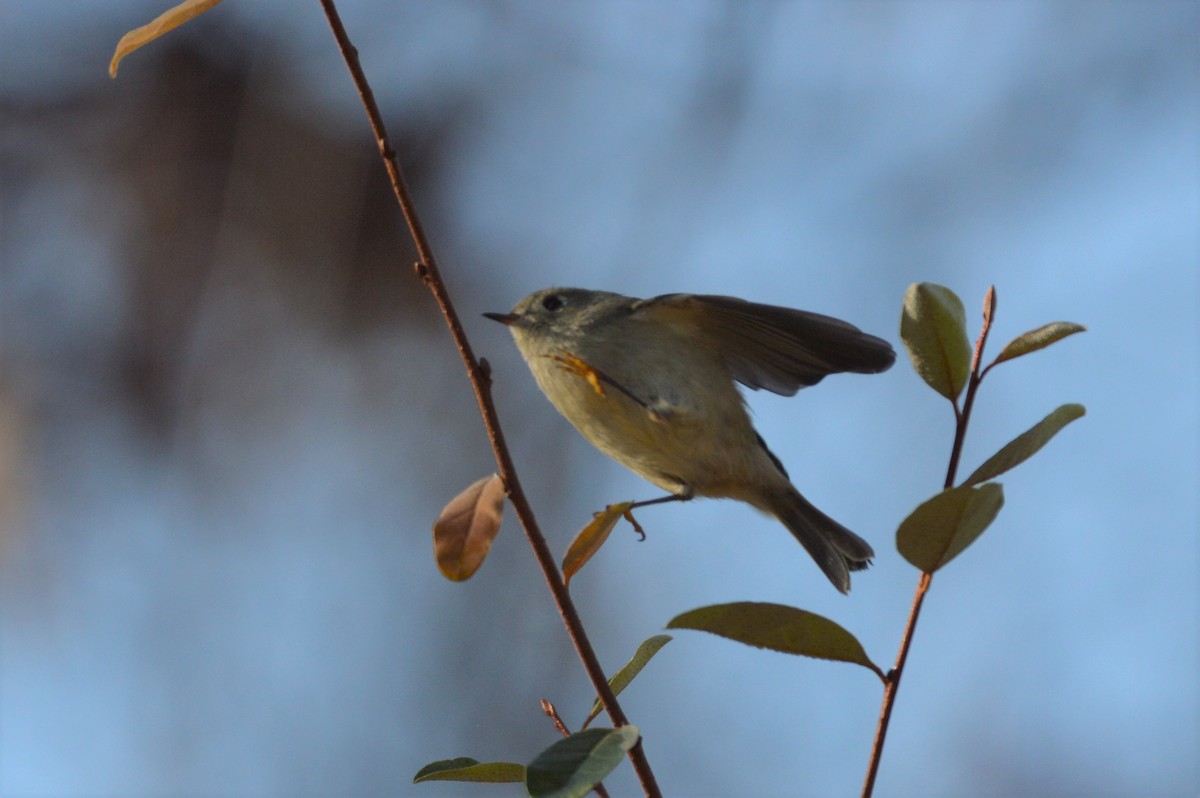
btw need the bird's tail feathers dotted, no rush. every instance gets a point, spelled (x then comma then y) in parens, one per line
(836, 550)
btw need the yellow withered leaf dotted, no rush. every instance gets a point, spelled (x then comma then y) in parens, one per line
(167, 21)
(592, 537)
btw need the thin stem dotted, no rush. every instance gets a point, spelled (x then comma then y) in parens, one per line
(892, 684)
(960, 433)
(961, 420)
(963, 417)
(989, 310)
(480, 378)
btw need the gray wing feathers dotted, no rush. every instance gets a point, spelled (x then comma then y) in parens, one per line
(776, 348)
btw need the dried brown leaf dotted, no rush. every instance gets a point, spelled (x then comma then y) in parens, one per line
(592, 537)
(463, 533)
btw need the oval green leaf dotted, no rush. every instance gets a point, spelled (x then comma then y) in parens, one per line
(466, 769)
(161, 25)
(779, 628)
(942, 527)
(1025, 445)
(591, 538)
(623, 677)
(463, 533)
(575, 764)
(1037, 339)
(933, 328)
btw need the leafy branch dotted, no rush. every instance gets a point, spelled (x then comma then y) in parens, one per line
(933, 328)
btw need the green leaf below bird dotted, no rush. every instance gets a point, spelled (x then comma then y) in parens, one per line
(623, 677)
(466, 769)
(1027, 444)
(942, 527)
(575, 764)
(779, 628)
(933, 328)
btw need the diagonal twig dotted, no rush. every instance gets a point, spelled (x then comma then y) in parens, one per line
(480, 378)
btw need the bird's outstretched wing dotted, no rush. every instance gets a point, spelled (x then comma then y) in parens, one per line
(776, 348)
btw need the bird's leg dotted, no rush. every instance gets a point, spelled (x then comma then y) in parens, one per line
(686, 495)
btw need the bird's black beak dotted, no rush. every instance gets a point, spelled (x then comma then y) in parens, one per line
(507, 319)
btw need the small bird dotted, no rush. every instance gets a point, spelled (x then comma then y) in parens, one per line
(650, 382)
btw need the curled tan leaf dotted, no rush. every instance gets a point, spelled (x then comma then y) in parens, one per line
(463, 533)
(592, 537)
(164, 23)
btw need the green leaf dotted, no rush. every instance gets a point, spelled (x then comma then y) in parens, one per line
(933, 328)
(623, 677)
(1037, 339)
(777, 627)
(466, 769)
(463, 533)
(942, 527)
(591, 538)
(574, 765)
(1025, 445)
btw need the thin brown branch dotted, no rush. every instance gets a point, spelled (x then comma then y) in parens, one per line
(480, 380)
(961, 420)
(892, 684)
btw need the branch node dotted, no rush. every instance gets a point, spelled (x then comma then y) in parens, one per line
(552, 712)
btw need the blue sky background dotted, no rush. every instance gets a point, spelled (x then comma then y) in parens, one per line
(239, 598)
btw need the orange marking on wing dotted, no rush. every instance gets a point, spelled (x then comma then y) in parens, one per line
(574, 365)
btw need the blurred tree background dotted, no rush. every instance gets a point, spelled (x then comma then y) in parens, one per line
(229, 413)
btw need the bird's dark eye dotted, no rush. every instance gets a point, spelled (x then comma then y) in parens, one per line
(553, 302)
